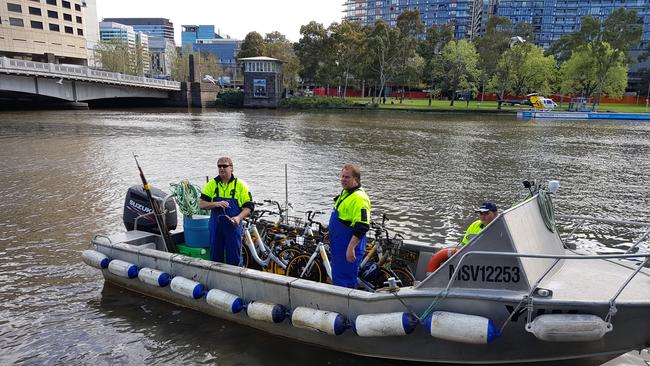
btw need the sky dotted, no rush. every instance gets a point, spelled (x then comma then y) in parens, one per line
(232, 17)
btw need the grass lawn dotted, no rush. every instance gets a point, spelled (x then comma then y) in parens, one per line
(459, 105)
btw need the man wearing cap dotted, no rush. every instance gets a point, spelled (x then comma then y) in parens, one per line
(487, 212)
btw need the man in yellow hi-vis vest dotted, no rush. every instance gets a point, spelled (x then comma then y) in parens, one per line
(487, 212)
(349, 222)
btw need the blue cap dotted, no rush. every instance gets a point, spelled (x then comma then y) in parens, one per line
(486, 207)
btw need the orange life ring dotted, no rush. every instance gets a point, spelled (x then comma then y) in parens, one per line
(439, 258)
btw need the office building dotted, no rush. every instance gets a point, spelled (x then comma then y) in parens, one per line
(137, 44)
(92, 31)
(152, 27)
(203, 39)
(191, 33)
(46, 31)
(162, 47)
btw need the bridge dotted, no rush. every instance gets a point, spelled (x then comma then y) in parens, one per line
(56, 83)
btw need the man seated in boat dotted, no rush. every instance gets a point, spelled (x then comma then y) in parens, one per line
(229, 202)
(487, 212)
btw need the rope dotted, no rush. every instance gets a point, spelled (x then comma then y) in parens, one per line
(546, 209)
(187, 198)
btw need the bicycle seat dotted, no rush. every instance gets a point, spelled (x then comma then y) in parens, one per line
(278, 237)
(287, 227)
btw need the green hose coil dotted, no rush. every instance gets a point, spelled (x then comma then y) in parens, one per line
(187, 198)
(546, 209)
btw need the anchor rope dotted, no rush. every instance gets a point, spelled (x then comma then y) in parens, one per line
(187, 198)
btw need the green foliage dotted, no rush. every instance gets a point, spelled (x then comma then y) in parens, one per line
(524, 69)
(252, 46)
(231, 98)
(313, 51)
(274, 45)
(314, 103)
(580, 74)
(456, 68)
(208, 65)
(116, 55)
(622, 29)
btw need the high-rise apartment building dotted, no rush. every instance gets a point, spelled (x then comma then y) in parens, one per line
(552, 19)
(46, 30)
(463, 15)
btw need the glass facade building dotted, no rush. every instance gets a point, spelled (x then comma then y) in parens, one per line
(552, 19)
(191, 33)
(464, 15)
(160, 33)
(152, 27)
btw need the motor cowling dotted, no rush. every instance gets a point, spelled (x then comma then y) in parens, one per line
(137, 203)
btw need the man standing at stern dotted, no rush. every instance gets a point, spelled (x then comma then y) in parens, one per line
(229, 202)
(349, 222)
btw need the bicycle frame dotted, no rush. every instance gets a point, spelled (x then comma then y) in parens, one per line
(320, 250)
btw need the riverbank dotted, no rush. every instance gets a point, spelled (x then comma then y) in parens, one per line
(443, 106)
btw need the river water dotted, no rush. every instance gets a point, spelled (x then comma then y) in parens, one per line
(63, 176)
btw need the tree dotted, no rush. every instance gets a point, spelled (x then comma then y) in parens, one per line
(349, 42)
(208, 64)
(116, 56)
(383, 52)
(410, 28)
(252, 46)
(581, 73)
(277, 46)
(313, 50)
(490, 47)
(528, 70)
(622, 29)
(456, 67)
(606, 42)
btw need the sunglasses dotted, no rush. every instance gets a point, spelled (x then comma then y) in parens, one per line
(223, 166)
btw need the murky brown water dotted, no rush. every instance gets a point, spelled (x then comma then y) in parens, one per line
(63, 176)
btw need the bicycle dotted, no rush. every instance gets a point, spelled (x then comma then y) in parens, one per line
(386, 258)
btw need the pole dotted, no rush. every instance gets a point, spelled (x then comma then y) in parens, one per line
(286, 192)
(647, 97)
(162, 228)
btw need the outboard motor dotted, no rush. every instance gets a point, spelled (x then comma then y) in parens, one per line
(137, 203)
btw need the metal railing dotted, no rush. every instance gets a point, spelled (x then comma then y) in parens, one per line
(83, 73)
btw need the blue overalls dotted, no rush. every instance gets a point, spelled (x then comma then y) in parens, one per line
(344, 273)
(225, 237)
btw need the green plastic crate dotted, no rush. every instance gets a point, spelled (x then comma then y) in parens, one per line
(203, 253)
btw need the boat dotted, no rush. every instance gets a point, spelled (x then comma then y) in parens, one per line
(513, 294)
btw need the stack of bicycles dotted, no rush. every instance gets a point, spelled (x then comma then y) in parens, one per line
(300, 248)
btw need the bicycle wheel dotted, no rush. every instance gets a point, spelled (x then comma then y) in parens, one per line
(382, 278)
(249, 261)
(297, 265)
(286, 255)
(405, 276)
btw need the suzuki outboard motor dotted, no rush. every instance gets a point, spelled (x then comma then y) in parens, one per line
(137, 203)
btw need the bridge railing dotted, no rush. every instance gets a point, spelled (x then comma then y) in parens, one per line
(84, 73)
